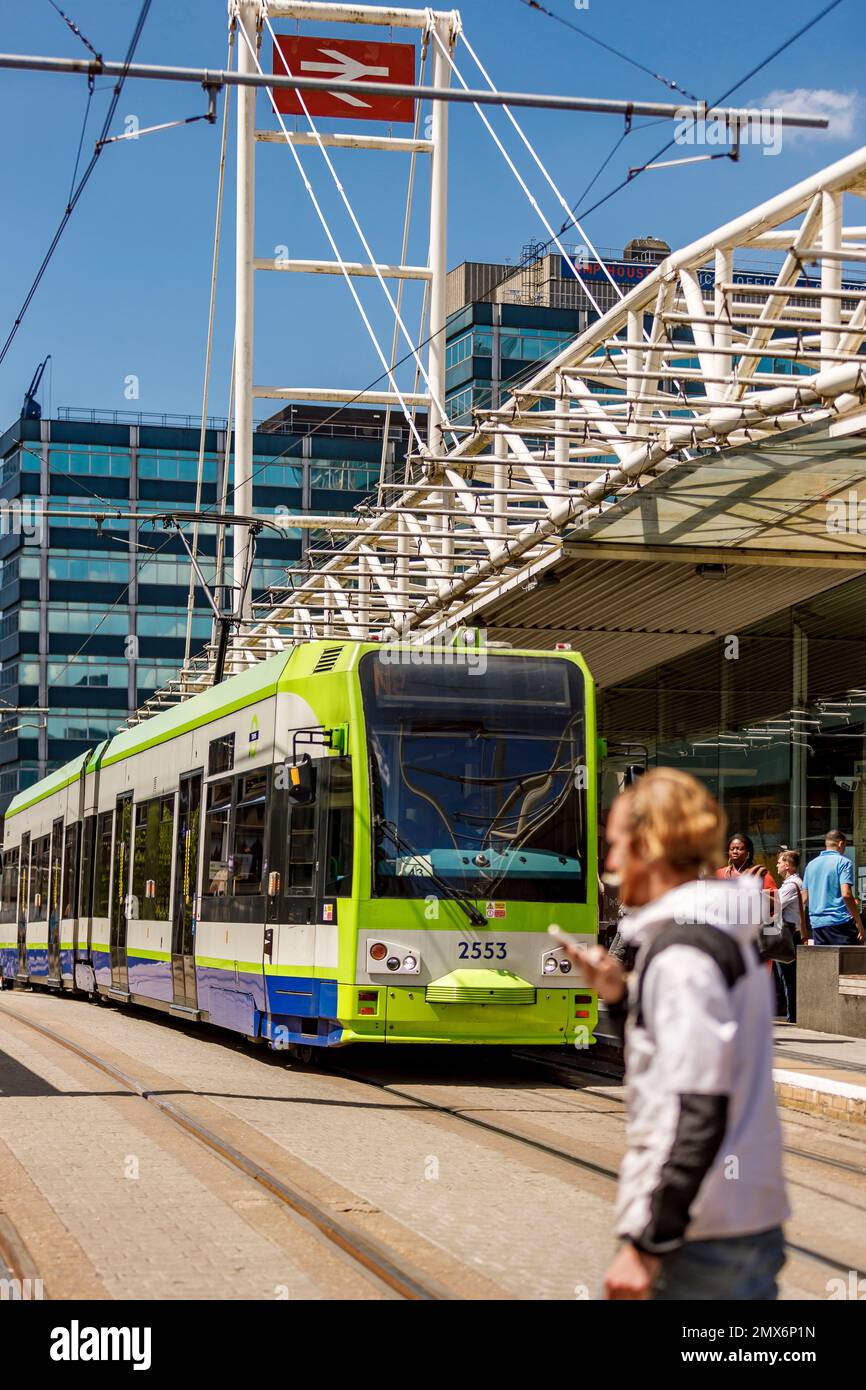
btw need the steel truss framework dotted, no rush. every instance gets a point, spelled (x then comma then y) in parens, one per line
(672, 377)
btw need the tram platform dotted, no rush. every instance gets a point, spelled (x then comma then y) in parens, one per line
(820, 1073)
(816, 1073)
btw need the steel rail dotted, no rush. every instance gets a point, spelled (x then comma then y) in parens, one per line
(566, 1070)
(550, 1150)
(217, 78)
(365, 1250)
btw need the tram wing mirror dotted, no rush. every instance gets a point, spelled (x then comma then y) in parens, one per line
(300, 779)
(633, 773)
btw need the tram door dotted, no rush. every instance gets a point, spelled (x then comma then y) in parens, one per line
(185, 892)
(23, 883)
(54, 876)
(120, 892)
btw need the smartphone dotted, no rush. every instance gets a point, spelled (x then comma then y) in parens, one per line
(563, 939)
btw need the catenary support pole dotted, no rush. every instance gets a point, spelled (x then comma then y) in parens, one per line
(248, 16)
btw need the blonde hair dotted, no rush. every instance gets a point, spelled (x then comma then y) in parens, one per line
(673, 818)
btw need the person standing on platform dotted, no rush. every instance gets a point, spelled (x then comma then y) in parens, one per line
(793, 924)
(701, 1192)
(829, 892)
(741, 860)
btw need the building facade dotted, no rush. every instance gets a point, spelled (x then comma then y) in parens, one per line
(93, 614)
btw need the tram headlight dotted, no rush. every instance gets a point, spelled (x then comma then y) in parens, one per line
(378, 951)
(409, 962)
(549, 965)
(565, 966)
(393, 962)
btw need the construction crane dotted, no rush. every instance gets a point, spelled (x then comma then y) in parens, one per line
(31, 409)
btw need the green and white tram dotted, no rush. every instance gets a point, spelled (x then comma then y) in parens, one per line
(348, 842)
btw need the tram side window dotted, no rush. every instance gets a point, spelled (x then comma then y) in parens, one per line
(39, 856)
(103, 865)
(339, 826)
(151, 865)
(10, 885)
(216, 832)
(56, 873)
(85, 905)
(221, 754)
(248, 840)
(71, 842)
(301, 843)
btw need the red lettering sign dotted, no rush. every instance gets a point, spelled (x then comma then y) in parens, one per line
(346, 60)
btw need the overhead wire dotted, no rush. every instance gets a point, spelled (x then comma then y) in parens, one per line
(600, 43)
(82, 183)
(635, 173)
(413, 354)
(76, 31)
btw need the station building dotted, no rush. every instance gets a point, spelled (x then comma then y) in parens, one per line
(93, 618)
(724, 615)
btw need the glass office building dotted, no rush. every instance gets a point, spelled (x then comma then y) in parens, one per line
(93, 616)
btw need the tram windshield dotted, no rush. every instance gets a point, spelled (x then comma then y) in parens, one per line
(477, 774)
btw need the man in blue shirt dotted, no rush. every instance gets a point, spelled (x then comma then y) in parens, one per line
(828, 888)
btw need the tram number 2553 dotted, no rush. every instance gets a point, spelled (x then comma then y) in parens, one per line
(488, 950)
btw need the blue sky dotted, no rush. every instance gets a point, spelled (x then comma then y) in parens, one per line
(127, 291)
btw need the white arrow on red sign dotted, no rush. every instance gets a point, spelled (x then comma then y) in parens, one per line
(351, 61)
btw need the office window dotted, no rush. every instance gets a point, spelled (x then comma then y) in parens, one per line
(284, 473)
(151, 864)
(155, 676)
(174, 570)
(82, 725)
(78, 617)
(98, 671)
(459, 405)
(342, 474)
(176, 465)
(93, 461)
(171, 622)
(78, 566)
(9, 570)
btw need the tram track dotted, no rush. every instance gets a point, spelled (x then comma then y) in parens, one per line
(575, 1160)
(565, 1070)
(394, 1272)
(391, 1270)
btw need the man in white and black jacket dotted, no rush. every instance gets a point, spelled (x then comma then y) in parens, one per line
(701, 1195)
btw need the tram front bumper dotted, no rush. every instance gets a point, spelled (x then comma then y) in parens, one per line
(404, 1014)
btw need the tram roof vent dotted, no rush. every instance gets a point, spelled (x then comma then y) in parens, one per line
(328, 660)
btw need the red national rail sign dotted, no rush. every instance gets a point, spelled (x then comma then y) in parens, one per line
(347, 60)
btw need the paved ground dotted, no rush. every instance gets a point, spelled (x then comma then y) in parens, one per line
(112, 1200)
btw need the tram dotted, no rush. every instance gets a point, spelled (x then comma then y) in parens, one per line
(349, 842)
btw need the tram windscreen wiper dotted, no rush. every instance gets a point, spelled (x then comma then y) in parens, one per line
(446, 889)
